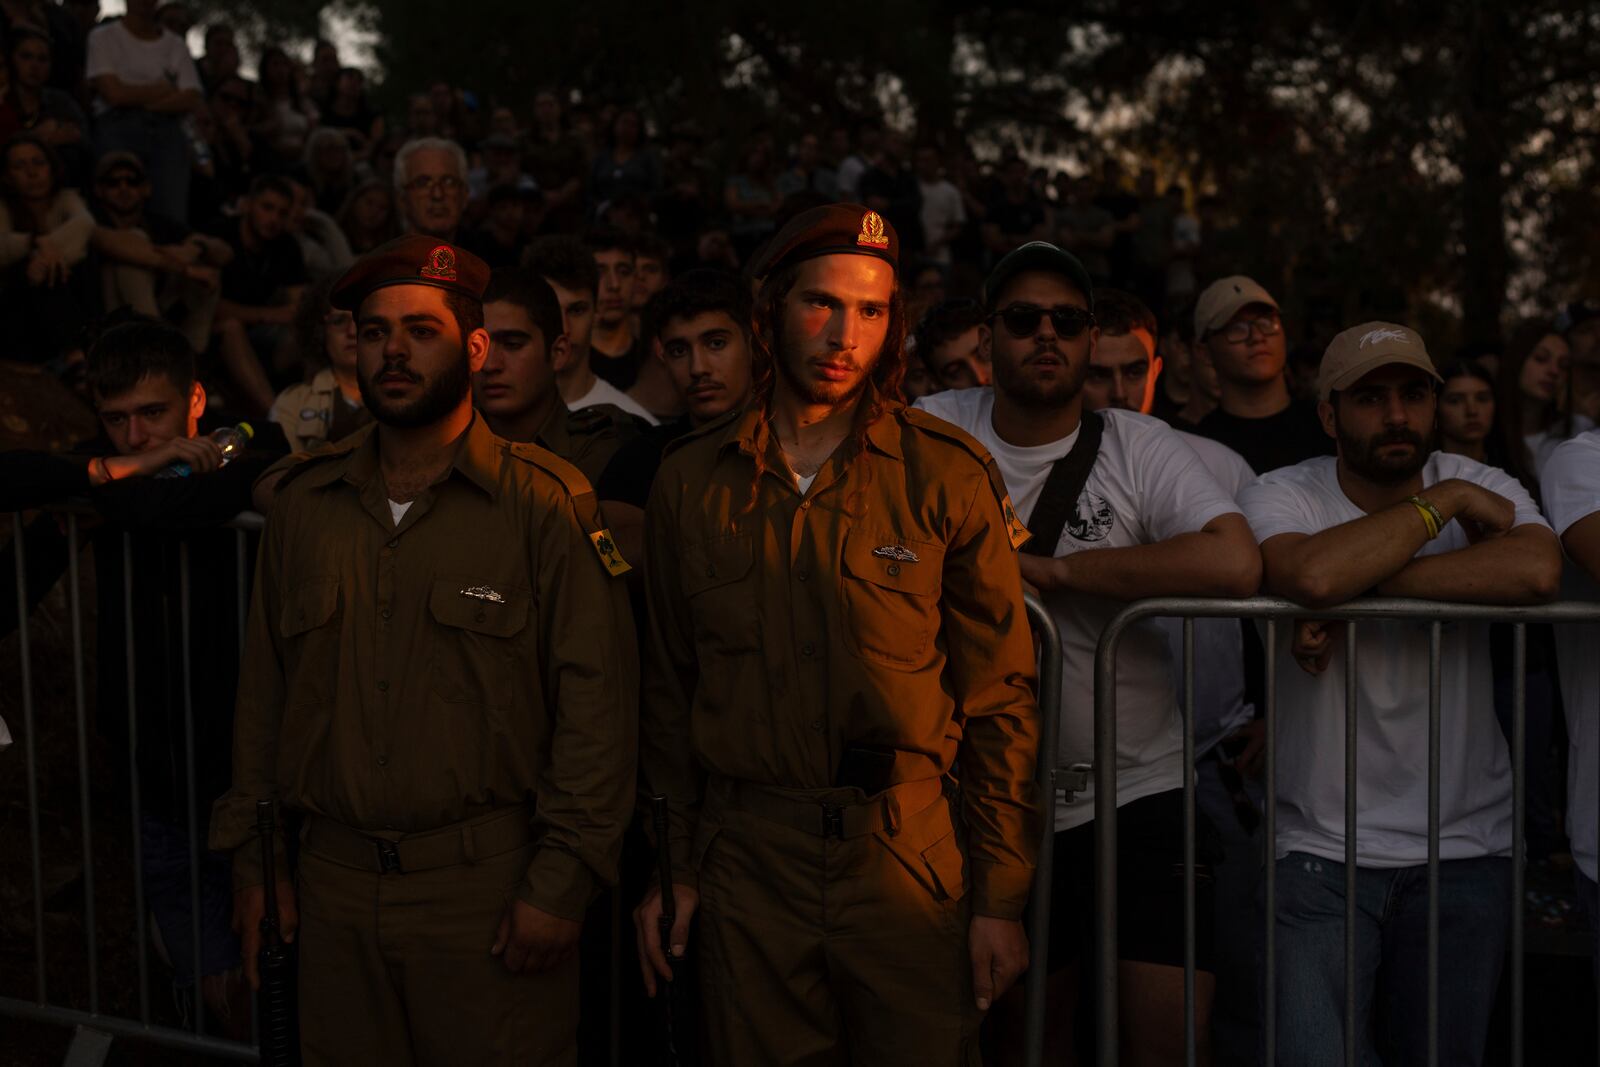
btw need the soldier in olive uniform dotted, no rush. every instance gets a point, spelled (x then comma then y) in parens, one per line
(836, 620)
(438, 674)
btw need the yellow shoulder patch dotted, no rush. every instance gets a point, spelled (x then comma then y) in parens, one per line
(606, 549)
(1014, 529)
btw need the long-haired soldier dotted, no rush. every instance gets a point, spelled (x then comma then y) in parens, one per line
(836, 621)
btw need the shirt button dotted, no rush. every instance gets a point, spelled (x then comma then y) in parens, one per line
(894, 569)
(383, 761)
(386, 613)
(816, 724)
(395, 543)
(808, 650)
(383, 686)
(805, 505)
(803, 576)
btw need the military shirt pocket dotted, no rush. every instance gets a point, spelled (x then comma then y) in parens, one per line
(476, 657)
(719, 581)
(891, 597)
(309, 626)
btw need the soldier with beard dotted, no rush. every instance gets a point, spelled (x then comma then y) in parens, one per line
(836, 621)
(439, 675)
(1391, 516)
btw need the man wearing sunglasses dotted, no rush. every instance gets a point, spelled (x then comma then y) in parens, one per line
(1237, 323)
(152, 263)
(1120, 508)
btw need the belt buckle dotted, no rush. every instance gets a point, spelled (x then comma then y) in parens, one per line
(388, 857)
(832, 822)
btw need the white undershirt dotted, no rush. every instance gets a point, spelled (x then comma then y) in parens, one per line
(804, 482)
(398, 510)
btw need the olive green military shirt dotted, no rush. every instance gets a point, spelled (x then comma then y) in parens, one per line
(882, 607)
(476, 655)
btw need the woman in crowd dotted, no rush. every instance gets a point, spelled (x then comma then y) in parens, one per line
(1467, 409)
(284, 117)
(626, 164)
(1535, 399)
(351, 112)
(46, 292)
(327, 406)
(368, 216)
(330, 167)
(48, 113)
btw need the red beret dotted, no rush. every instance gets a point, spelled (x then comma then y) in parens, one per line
(827, 231)
(415, 259)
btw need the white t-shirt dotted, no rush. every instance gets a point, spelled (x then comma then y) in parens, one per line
(1571, 487)
(603, 392)
(1146, 486)
(1543, 445)
(1220, 707)
(941, 206)
(1392, 700)
(397, 510)
(135, 61)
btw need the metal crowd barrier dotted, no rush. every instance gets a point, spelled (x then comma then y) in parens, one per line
(1105, 748)
(94, 1028)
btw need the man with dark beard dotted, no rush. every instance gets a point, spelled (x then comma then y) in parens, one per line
(1390, 516)
(1144, 517)
(438, 676)
(837, 620)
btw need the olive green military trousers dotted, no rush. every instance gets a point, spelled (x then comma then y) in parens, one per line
(833, 950)
(395, 969)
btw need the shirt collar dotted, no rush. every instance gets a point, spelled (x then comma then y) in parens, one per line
(476, 459)
(883, 435)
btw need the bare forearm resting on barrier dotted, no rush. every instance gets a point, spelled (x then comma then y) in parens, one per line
(1348, 560)
(1220, 559)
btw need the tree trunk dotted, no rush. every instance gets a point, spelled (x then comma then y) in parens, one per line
(1484, 119)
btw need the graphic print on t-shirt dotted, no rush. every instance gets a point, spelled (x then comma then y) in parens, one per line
(1092, 518)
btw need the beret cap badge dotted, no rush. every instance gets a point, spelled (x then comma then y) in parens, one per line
(441, 264)
(872, 235)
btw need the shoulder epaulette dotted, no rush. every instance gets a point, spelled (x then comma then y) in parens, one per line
(597, 418)
(299, 463)
(570, 477)
(586, 507)
(933, 424)
(719, 423)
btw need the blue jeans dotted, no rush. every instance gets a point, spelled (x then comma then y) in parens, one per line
(166, 893)
(1391, 960)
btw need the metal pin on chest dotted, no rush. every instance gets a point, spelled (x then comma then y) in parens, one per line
(483, 592)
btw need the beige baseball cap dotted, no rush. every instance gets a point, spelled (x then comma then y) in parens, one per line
(1223, 298)
(1362, 349)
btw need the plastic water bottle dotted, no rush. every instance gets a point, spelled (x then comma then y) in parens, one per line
(231, 439)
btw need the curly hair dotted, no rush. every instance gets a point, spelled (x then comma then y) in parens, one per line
(766, 349)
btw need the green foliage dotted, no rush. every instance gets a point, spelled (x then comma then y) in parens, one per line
(1427, 158)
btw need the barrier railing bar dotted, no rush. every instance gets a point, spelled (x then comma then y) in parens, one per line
(75, 609)
(1105, 845)
(142, 944)
(1190, 1046)
(112, 1024)
(1270, 846)
(1519, 811)
(1435, 636)
(1049, 704)
(1352, 1036)
(196, 930)
(30, 757)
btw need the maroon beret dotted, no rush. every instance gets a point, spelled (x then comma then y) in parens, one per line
(834, 229)
(415, 259)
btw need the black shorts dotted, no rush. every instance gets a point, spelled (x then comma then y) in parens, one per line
(1149, 887)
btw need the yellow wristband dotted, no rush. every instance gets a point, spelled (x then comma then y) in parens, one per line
(1430, 515)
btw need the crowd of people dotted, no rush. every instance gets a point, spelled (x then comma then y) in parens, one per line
(1012, 377)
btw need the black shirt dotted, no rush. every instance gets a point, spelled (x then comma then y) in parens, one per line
(622, 370)
(1291, 436)
(259, 278)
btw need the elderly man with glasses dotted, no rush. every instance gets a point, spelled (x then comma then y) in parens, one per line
(1237, 324)
(430, 178)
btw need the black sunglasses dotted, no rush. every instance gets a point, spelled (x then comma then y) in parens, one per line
(1022, 320)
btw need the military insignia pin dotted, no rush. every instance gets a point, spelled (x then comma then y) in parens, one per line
(872, 235)
(606, 549)
(482, 592)
(441, 264)
(896, 553)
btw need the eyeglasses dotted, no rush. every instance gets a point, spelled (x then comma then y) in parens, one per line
(445, 183)
(1022, 320)
(1238, 333)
